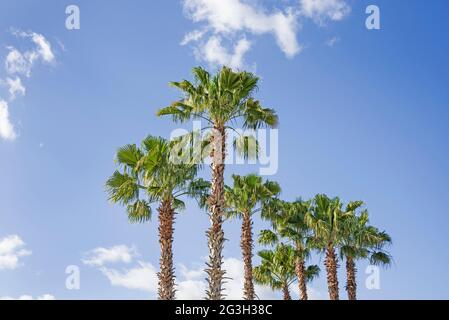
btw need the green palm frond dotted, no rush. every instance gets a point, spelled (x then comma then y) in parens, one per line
(277, 267)
(122, 188)
(379, 258)
(199, 189)
(248, 194)
(129, 155)
(178, 204)
(256, 116)
(220, 99)
(312, 272)
(150, 176)
(139, 211)
(360, 240)
(268, 237)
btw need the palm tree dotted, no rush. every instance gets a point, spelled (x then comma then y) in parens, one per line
(244, 199)
(219, 100)
(277, 269)
(326, 220)
(288, 219)
(148, 171)
(362, 241)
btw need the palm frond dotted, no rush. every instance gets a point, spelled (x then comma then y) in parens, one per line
(139, 211)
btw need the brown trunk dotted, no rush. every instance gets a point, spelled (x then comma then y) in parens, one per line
(286, 292)
(216, 204)
(302, 282)
(331, 264)
(166, 274)
(247, 250)
(351, 284)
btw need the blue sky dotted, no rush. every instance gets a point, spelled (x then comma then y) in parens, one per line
(365, 118)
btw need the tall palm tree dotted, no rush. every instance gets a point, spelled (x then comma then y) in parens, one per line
(243, 200)
(362, 241)
(288, 219)
(326, 220)
(146, 175)
(220, 100)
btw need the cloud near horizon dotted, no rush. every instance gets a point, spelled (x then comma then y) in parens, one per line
(11, 251)
(190, 282)
(29, 297)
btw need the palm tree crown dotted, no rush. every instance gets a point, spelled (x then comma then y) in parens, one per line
(220, 99)
(362, 241)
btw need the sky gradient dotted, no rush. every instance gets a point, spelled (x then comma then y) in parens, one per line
(363, 115)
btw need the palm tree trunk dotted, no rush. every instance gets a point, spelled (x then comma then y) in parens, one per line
(286, 292)
(166, 274)
(301, 274)
(247, 250)
(216, 203)
(331, 264)
(351, 284)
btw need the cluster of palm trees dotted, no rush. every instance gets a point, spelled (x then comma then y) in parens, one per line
(324, 225)
(147, 174)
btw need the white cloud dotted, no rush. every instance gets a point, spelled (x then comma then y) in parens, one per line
(101, 256)
(28, 297)
(332, 41)
(7, 131)
(217, 54)
(142, 277)
(322, 10)
(17, 64)
(235, 19)
(43, 47)
(190, 282)
(15, 86)
(11, 250)
(192, 36)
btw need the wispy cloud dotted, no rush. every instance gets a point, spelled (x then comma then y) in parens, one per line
(19, 64)
(15, 87)
(11, 251)
(237, 22)
(22, 62)
(332, 41)
(100, 256)
(323, 10)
